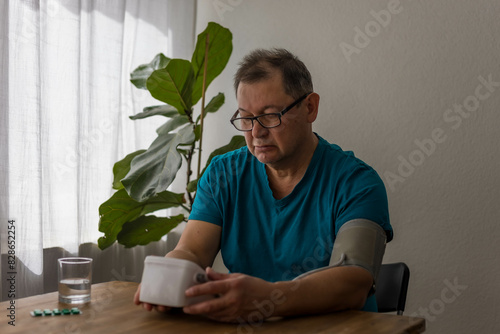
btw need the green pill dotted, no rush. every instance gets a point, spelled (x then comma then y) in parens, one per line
(56, 311)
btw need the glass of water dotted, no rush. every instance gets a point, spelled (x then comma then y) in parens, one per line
(74, 277)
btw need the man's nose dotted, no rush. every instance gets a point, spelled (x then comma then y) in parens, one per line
(258, 130)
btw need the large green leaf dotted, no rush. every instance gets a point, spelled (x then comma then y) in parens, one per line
(215, 103)
(173, 84)
(163, 110)
(192, 185)
(120, 208)
(122, 167)
(197, 132)
(139, 76)
(172, 124)
(154, 170)
(235, 143)
(146, 229)
(220, 46)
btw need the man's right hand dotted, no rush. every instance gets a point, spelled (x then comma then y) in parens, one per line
(199, 243)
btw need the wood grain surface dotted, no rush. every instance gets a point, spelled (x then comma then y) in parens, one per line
(111, 310)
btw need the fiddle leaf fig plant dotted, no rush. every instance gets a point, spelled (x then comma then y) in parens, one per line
(141, 178)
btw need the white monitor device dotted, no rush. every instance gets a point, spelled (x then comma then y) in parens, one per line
(165, 280)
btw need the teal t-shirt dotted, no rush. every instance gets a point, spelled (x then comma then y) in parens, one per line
(277, 240)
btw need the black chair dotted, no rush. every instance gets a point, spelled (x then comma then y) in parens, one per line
(391, 288)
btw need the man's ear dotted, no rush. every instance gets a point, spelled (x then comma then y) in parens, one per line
(312, 105)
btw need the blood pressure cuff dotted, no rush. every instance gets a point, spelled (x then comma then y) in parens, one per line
(360, 242)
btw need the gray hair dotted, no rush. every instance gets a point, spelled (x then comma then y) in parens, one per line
(260, 64)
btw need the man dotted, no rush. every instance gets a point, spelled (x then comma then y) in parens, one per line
(274, 208)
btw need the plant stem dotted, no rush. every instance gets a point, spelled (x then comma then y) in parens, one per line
(185, 207)
(189, 159)
(203, 103)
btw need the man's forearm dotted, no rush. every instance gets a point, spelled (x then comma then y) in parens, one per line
(185, 255)
(335, 289)
(199, 243)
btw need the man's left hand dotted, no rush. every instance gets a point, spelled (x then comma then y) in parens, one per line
(241, 298)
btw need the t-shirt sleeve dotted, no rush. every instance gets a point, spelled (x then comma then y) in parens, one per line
(362, 195)
(205, 206)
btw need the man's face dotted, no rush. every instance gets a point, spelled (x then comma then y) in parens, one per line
(277, 146)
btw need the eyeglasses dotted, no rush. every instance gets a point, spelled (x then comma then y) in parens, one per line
(267, 121)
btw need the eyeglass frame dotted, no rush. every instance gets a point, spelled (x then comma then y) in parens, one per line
(279, 114)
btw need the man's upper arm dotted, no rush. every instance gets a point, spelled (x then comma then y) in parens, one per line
(200, 242)
(362, 225)
(363, 196)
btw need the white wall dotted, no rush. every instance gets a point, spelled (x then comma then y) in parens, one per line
(397, 90)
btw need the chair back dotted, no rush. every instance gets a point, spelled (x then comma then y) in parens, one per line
(391, 287)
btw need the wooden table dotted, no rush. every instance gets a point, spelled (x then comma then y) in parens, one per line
(112, 311)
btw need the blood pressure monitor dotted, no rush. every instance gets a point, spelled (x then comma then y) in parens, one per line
(165, 281)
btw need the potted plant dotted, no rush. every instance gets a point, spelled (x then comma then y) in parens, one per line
(141, 178)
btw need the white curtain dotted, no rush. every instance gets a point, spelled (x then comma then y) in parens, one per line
(65, 98)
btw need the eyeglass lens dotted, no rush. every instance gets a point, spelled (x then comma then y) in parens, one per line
(267, 121)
